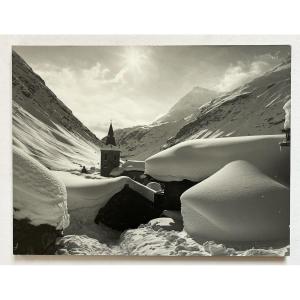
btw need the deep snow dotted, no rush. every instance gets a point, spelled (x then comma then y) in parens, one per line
(88, 193)
(196, 160)
(237, 203)
(44, 129)
(157, 238)
(39, 196)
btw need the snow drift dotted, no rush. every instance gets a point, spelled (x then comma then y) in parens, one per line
(237, 203)
(196, 160)
(53, 146)
(39, 196)
(86, 195)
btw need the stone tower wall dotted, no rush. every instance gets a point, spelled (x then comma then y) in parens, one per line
(110, 159)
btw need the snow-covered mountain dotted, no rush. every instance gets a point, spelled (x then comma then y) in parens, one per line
(252, 109)
(142, 141)
(44, 127)
(188, 104)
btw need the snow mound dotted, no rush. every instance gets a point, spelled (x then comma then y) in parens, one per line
(129, 165)
(38, 194)
(196, 160)
(287, 110)
(238, 203)
(87, 196)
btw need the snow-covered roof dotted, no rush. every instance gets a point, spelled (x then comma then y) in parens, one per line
(237, 203)
(129, 165)
(87, 196)
(196, 160)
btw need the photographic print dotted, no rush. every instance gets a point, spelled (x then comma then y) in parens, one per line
(165, 150)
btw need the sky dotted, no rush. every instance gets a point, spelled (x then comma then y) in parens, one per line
(135, 85)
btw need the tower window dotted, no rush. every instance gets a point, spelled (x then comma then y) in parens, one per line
(105, 156)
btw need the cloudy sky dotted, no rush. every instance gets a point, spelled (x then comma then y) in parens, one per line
(134, 85)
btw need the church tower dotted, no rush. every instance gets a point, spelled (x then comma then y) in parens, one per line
(110, 153)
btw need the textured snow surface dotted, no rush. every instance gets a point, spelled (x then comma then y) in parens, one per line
(287, 110)
(157, 238)
(196, 160)
(237, 203)
(53, 146)
(44, 127)
(37, 193)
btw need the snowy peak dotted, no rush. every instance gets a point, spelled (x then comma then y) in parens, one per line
(188, 104)
(252, 109)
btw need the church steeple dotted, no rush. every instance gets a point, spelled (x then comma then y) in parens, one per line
(110, 154)
(110, 139)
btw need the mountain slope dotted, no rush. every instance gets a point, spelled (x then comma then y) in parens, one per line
(188, 104)
(141, 142)
(44, 127)
(252, 109)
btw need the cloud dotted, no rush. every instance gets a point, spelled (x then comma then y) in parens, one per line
(96, 95)
(241, 73)
(134, 85)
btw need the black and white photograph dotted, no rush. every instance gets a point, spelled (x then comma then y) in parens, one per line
(151, 150)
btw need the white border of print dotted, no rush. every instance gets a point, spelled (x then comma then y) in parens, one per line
(6, 235)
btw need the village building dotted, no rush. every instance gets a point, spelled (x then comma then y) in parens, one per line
(110, 154)
(112, 165)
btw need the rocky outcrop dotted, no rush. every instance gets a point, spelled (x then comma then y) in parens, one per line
(34, 240)
(127, 209)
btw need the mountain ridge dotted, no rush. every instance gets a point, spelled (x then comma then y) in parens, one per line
(43, 126)
(188, 104)
(229, 114)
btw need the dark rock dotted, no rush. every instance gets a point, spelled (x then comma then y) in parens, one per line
(127, 209)
(37, 240)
